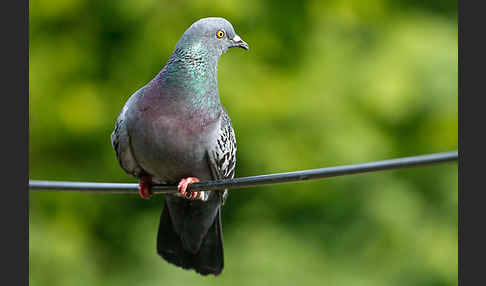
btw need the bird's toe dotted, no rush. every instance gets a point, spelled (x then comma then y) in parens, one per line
(144, 187)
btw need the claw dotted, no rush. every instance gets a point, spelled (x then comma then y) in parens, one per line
(144, 187)
(182, 187)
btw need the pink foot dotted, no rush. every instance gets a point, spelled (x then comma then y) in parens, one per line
(144, 187)
(182, 187)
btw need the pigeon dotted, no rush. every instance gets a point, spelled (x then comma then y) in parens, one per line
(174, 130)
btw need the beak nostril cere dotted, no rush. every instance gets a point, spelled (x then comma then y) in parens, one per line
(236, 39)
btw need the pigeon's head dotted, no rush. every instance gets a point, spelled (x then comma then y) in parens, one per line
(212, 35)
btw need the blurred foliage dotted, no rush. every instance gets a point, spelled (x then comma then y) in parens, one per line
(325, 83)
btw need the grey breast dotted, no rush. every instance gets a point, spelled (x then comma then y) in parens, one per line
(167, 145)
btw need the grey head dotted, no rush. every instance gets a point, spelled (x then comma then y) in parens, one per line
(213, 35)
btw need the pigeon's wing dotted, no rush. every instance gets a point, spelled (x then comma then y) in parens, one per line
(222, 156)
(120, 140)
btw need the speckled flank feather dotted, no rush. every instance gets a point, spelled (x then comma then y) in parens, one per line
(223, 154)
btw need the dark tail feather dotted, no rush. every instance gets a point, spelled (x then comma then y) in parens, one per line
(209, 259)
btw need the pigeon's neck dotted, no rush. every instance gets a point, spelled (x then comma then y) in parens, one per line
(190, 77)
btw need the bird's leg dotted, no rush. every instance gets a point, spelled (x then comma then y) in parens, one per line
(144, 187)
(186, 182)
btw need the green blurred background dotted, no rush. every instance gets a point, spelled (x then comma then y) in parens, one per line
(324, 84)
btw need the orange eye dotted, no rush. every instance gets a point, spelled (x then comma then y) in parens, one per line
(220, 34)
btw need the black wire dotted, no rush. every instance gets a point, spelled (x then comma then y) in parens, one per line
(244, 182)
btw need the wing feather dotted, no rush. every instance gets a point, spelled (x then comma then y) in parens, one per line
(120, 140)
(223, 154)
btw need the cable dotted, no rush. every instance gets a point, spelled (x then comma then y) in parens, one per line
(238, 183)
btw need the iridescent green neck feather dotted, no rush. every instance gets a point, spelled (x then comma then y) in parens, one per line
(190, 77)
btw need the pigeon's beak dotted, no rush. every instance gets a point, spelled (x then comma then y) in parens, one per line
(238, 42)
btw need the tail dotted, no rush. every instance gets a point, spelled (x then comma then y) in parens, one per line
(209, 259)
